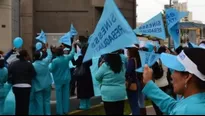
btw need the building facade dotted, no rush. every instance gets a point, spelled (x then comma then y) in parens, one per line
(9, 22)
(54, 16)
(183, 7)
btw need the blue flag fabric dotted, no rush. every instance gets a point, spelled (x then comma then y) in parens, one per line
(66, 39)
(42, 37)
(153, 27)
(94, 69)
(192, 45)
(112, 33)
(173, 18)
(175, 34)
(73, 31)
(148, 58)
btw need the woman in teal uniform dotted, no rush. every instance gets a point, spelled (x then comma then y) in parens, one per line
(59, 68)
(188, 81)
(41, 84)
(3, 79)
(111, 76)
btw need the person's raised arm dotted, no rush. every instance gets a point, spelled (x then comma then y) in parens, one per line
(72, 53)
(161, 99)
(49, 55)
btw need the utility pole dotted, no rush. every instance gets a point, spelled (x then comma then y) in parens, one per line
(169, 39)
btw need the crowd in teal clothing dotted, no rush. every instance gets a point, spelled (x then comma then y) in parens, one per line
(113, 89)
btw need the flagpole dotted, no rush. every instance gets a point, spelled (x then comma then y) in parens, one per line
(169, 39)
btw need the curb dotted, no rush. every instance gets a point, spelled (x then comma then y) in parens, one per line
(81, 111)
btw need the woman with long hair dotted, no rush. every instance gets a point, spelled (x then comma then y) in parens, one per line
(111, 76)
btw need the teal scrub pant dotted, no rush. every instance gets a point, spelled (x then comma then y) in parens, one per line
(85, 104)
(63, 99)
(2, 100)
(1, 105)
(40, 102)
(42, 99)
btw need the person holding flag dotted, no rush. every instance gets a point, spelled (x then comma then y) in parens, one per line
(59, 68)
(41, 84)
(188, 81)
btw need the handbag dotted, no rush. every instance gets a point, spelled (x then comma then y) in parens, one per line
(131, 86)
(79, 71)
(130, 83)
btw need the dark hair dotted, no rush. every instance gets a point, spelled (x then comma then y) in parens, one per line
(22, 55)
(67, 46)
(162, 49)
(59, 51)
(193, 54)
(198, 82)
(38, 55)
(133, 52)
(115, 62)
(84, 49)
(1, 63)
(120, 51)
(144, 49)
(179, 49)
(202, 42)
(1, 52)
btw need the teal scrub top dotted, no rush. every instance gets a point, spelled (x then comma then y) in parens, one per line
(112, 84)
(3, 79)
(193, 105)
(43, 79)
(60, 68)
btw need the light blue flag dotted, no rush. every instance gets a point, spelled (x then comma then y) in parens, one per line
(94, 69)
(73, 30)
(42, 37)
(173, 18)
(148, 58)
(66, 39)
(192, 45)
(153, 27)
(90, 38)
(112, 33)
(175, 34)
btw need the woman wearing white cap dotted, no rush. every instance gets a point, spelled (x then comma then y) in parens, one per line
(3, 79)
(188, 81)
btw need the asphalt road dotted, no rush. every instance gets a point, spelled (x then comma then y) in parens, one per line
(74, 103)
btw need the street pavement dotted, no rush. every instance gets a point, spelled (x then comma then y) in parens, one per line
(74, 104)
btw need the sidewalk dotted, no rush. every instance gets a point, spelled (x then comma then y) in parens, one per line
(150, 110)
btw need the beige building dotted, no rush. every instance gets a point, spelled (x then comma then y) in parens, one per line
(183, 7)
(55, 16)
(9, 22)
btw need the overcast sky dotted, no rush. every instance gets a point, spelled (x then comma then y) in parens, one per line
(148, 8)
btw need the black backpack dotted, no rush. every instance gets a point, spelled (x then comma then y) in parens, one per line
(157, 71)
